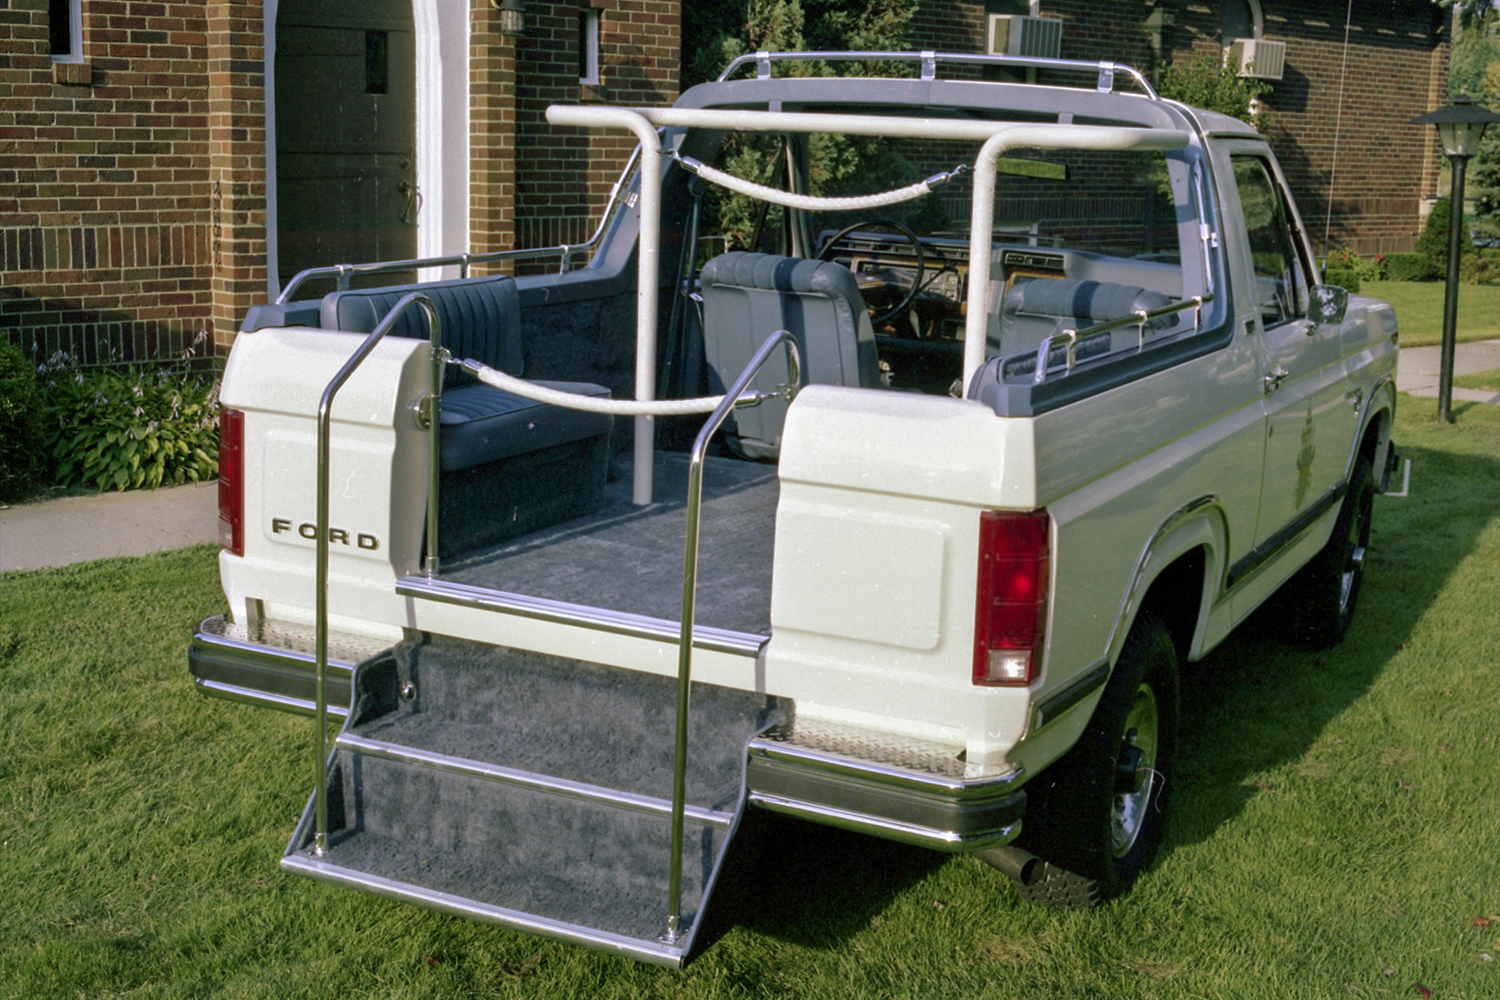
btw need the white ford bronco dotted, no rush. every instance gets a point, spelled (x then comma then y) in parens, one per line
(891, 504)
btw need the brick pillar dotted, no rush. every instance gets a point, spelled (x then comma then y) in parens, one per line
(492, 134)
(237, 161)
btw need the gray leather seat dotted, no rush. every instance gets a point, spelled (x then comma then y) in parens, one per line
(749, 296)
(1037, 307)
(510, 465)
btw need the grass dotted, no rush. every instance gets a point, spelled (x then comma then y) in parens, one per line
(1486, 381)
(1334, 836)
(1419, 310)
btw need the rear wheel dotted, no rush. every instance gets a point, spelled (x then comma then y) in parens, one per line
(1322, 596)
(1095, 818)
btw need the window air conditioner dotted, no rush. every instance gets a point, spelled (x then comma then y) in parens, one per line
(1016, 35)
(1259, 58)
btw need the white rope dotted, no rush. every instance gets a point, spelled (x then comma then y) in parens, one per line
(807, 202)
(593, 404)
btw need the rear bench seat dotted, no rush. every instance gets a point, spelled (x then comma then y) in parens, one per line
(1035, 308)
(509, 465)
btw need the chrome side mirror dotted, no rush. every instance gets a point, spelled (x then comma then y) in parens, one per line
(1328, 304)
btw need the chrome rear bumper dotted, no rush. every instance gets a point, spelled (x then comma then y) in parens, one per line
(899, 788)
(272, 664)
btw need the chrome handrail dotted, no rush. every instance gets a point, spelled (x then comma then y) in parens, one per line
(564, 251)
(320, 619)
(1139, 318)
(731, 399)
(1105, 72)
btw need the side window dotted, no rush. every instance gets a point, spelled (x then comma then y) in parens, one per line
(1280, 276)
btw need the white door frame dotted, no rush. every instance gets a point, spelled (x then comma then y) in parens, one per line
(442, 99)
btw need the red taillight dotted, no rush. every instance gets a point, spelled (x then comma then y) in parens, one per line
(232, 481)
(1010, 614)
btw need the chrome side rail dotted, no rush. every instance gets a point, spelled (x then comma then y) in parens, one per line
(1137, 319)
(320, 620)
(564, 251)
(1105, 73)
(690, 591)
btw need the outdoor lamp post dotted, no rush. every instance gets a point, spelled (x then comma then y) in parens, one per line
(512, 17)
(1460, 124)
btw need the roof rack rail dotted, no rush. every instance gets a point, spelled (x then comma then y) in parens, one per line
(1105, 73)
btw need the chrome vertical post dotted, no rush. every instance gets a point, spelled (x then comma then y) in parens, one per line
(320, 595)
(690, 593)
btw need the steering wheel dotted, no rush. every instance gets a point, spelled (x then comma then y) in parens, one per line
(827, 253)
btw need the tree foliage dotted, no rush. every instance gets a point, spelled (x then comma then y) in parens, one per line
(1474, 69)
(1208, 81)
(718, 31)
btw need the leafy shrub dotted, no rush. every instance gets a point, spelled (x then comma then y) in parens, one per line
(1411, 267)
(1346, 278)
(1433, 243)
(21, 452)
(1480, 270)
(130, 428)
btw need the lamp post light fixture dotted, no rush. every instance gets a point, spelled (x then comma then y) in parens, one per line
(1460, 124)
(512, 17)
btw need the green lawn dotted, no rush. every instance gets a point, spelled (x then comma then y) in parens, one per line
(1487, 381)
(1335, 833)
(1419, 310)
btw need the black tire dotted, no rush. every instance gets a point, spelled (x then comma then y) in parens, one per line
(1095, 818)
(1323, 594)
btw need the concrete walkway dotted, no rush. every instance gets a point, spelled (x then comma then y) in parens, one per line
(79, 529)
(1418, 370)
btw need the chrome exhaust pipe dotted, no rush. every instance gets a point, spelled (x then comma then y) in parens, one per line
(1021, 865)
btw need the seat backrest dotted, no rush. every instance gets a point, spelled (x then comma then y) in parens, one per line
(1037, 307)
(480, 318)
(749, 296)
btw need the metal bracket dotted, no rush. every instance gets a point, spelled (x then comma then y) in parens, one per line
(422, 411)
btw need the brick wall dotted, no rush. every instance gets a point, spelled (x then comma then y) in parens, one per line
(133, 194)
(563, 181)
(1356, 154)
(105, 222)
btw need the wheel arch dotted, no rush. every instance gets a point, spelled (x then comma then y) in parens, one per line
(1174, 577)
(1374, 440)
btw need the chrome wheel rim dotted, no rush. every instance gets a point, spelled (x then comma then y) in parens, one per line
(1354, 563)
(1138, 749)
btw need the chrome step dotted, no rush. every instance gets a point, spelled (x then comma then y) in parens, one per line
(562, 613)
(533, 792)
(651, 951)
(528, 779)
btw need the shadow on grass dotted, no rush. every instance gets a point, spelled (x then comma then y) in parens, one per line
(807, 884)
(1259, 702)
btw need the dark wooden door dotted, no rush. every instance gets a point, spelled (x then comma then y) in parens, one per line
(345, 133)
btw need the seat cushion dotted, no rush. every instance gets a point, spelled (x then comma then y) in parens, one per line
(483, 424)
(479, 318)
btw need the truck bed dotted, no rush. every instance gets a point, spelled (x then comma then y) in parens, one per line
(628, 558)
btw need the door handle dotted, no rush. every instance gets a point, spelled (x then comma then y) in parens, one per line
(413, 202)
(1354, 397)
(1272, 380)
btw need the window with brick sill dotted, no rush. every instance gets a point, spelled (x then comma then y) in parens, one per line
(65, 30)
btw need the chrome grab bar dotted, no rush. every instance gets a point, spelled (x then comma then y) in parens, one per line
(320, 620)
(1138, 319)
(731, 399)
